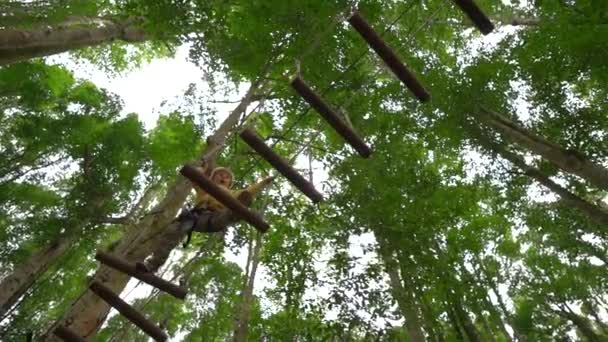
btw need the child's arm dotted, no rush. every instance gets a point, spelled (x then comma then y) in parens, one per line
(246, 195)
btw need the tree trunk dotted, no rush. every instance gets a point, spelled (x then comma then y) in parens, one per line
(406, 304)
(455, 322)
(468, 325)
(241, 324)
(592, 211)
(596, 316)
(18, 45)
(581, 323)
(490, 331)
(481, 302)
(182, 275)
(24, 275)
(405, 299)
(88, 312)
(432, 327)
(498, 319)
(486, 279)
(570, 161)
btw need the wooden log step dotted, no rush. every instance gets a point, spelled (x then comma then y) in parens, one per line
(128, 311)
(68, 335)
(470, 8)
(388, 56)
(316, 102)
(224, 197)
(280, 164)
(147, 277)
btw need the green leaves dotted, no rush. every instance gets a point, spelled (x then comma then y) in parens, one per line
(173, 141)
(477, 247)
(36, 84)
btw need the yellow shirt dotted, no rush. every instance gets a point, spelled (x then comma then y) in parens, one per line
(206, 201)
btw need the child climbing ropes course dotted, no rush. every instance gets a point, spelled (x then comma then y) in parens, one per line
(208, 215)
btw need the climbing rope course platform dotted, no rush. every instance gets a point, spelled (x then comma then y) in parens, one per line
(198, 177)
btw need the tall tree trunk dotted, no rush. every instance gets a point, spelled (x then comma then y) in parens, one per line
(481, 302)
(592, 211)
(497, 318)
(596, 316)
(570, 161)
(88, 312)
(469, 327)
(581, 323)
(182, 275)
(490, 331)
(486, 279)
(18, 45)
(455, 321)
(24, 275)
(432, 327)
(241, 324)
(405, 299)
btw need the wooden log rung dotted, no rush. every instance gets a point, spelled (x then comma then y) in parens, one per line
(316, 102)
(389, 57)
(128, 311)
(280, 164)
(470, 8)
(68, 335)
(224, 197)
(147, 277)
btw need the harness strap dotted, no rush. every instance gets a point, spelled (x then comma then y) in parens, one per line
(194, 214)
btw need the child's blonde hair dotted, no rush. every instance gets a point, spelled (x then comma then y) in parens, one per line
(225, 169)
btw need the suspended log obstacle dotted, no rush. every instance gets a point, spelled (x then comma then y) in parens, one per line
(470, 8)
(68, 335)
(198, 177)
(316, 102)
(147, 277)
(388, 56)
(128, 311)
(280, 164)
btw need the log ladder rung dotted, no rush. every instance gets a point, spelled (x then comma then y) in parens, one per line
(316, 102)
(128, 311)
(224, 197)
(68, 335)
(147, 277)
(280, 164)
(470, 8)
(388, 56)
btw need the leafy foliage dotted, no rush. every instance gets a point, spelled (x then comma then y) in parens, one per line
(433, 235)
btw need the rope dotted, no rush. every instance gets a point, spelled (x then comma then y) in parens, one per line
(249, 118)
(331, 86)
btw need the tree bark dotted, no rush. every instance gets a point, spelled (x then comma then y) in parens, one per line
(570, 161)
(581, 323)
(596, 316)
(487, 279)
(241, 324)
(88, 312)
(18, 45)
(24, 275)
(405, 299)
(592, 211)
(468, 325)
(455, 321)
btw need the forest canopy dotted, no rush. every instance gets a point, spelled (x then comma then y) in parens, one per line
(481, 213)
